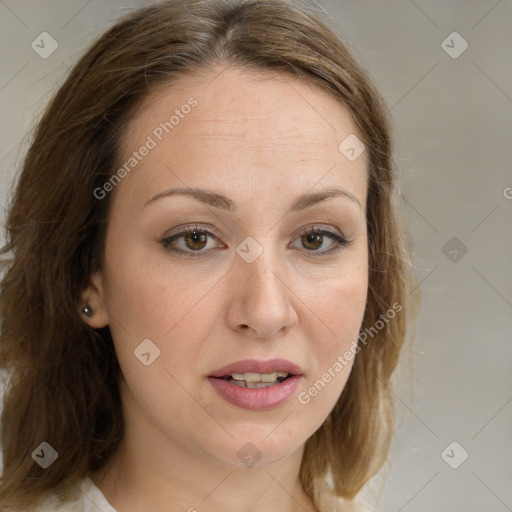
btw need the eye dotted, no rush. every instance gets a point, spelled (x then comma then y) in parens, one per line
(313, 239)
(192, 241)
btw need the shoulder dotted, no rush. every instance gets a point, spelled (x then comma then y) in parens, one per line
(82, 497)
(356, 505)
(327, 501)
(332, 503)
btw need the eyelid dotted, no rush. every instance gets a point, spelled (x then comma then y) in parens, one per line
(324, 228)
(197, 226)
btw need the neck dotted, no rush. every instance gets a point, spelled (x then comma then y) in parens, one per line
(130, 483)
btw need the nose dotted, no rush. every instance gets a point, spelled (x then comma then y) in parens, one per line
(261, 305)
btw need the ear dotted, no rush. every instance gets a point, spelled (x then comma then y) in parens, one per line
(93, 296)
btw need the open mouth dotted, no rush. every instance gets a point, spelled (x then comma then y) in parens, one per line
(257, 385)
(257, 380)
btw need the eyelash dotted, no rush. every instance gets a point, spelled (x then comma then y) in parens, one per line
(338, 241)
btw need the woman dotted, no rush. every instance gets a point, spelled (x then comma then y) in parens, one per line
(208, 294)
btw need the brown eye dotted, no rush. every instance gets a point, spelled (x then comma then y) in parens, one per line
(195, 240)
(192, 241)
(313, 239)
(312, 242)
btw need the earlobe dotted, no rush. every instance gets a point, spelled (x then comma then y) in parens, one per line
(93, 311)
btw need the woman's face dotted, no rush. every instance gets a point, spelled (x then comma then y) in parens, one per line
(253, 156)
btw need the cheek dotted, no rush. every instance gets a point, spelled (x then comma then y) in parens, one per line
(338, 303)
(342, 312)
(150, 299)
(351, 296)
(145, 296)
(337, 310)
(172, 311)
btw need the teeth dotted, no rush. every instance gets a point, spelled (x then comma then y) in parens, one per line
(257, 380)
(251, 378)
(244, 384)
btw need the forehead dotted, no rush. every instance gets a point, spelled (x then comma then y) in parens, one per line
(246, 125)
(267, 102)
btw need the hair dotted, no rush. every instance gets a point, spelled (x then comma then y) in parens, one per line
(63, 383)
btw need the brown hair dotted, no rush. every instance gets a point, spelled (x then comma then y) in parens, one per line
(63, 375)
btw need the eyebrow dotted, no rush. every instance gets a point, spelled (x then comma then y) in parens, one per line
(220, 201)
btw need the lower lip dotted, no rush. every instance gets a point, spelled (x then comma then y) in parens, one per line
(256, 399)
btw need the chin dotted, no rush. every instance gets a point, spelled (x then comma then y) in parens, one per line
(256, 447)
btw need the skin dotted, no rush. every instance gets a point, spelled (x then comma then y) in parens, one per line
(261, 139)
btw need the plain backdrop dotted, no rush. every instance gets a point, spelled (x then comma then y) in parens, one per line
(445, 69)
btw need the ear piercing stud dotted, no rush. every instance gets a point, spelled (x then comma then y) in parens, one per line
(87, 311)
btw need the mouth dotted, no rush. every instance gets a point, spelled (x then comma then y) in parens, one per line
(252, 371)
(257, 385)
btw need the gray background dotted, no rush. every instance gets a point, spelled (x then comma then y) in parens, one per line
(453, 120)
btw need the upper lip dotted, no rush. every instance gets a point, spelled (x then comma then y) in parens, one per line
(253, 366)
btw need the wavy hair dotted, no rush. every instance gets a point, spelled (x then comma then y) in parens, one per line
(63, 375)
